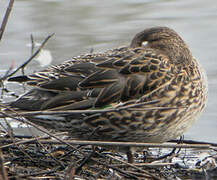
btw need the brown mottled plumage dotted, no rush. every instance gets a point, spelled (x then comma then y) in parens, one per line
(161, 72)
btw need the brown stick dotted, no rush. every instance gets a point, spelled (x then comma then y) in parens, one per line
(5, 20)
(32, 44)
(26, 141)
(133, 166)
(42, 130)
(30, 59)
(3, 173)
(7, 72)
(109, 143)
(71, 112)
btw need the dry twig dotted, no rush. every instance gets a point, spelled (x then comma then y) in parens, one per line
(5, 19)
(31, 58)
(40, 129)
(132, 107)
(132, 144)
(3, 173)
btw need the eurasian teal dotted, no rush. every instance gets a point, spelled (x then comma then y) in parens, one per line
(155, 87)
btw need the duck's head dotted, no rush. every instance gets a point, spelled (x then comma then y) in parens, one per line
(165, 41)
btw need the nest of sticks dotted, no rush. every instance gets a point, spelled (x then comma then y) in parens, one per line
(59, 157)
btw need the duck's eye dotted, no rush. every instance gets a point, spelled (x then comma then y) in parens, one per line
(144, 43)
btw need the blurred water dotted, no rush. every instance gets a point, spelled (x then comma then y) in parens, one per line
(82, 25)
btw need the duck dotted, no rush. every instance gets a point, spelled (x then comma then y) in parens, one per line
(151, 91)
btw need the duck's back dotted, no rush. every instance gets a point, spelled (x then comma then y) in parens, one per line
(96, 80)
